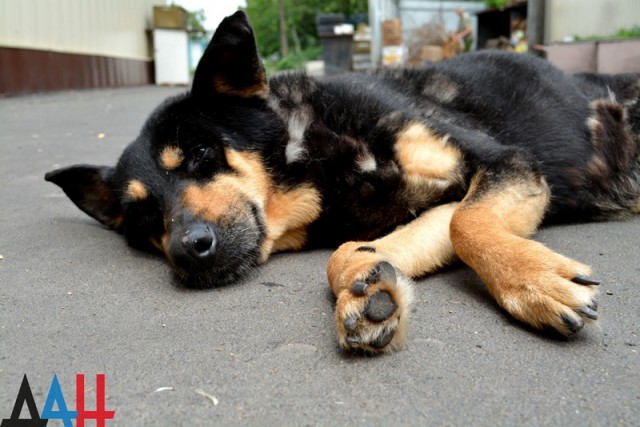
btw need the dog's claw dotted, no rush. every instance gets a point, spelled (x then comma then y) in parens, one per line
(585, 280)
(359, 288)
(572, 324)
(589, 312)
(382, 272)
(353, 340)
(380, 307)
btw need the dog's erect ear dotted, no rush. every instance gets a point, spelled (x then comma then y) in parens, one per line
(90, 188)
(231, 64)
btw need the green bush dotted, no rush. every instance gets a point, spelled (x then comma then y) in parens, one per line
(496, 4)
(622, 33)
(630, 33)
(293, 61)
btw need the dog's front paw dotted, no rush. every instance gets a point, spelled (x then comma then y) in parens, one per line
(372, 313)
(547, 290)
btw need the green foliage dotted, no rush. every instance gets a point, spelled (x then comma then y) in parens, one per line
(622, 33)
(301, 21)
(195, 25)
(293, 61)
(630, 33)
(496, 4)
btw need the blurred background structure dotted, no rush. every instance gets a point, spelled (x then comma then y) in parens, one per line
(76, 44)
(72, 44)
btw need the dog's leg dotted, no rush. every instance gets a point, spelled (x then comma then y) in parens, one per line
(489, 233)
(369, 280)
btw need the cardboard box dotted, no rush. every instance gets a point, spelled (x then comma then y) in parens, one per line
(391, 32)
(169, 17)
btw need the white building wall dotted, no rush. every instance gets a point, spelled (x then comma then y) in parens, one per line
(569, 18)
(114, 28)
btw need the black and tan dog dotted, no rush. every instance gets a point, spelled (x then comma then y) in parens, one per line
(413, 169)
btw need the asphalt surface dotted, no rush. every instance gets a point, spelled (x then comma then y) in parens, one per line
(75, 299)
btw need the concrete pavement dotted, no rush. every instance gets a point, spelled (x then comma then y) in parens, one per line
(75, 299)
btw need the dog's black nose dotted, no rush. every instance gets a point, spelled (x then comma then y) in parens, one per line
(194, 246)
(199, 241)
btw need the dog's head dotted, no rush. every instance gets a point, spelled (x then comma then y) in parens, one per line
(193, 184)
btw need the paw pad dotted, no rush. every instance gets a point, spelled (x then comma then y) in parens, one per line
(383, 340)
(376, 315)
(380, 306)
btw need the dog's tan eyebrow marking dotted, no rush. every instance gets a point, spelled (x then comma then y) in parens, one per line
(171, 157)
(136, 190)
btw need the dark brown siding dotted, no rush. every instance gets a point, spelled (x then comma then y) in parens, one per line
(29, 71)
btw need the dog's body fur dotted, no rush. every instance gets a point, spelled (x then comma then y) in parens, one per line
(412, 168)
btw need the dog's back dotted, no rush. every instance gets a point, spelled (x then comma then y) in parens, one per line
(584, 131)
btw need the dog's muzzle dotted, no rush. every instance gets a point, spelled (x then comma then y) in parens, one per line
(207, 254)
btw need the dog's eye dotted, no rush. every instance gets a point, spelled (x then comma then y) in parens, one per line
(199, 153)
(199, 157)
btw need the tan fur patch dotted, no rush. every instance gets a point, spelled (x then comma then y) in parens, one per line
(260, 89)
(171, 157)
(212, 201)
(431, 165)
(164, 244)
(421, 153)
(286, 212)
(423, 245)
(230, 191)
(518, 205)
(497, 222)
(252, 178)
(291, 240)
(136, 190)
(489, 233)
(158, 243)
